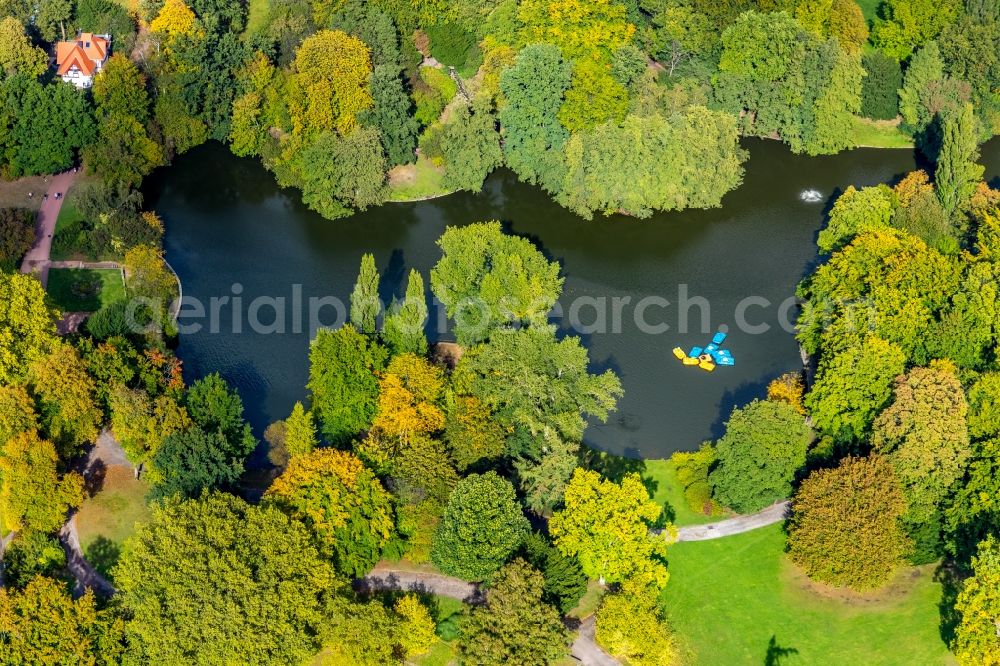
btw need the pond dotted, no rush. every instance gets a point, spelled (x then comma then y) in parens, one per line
(668, 281)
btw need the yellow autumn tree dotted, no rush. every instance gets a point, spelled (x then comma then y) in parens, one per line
(17, 54)
(976, 641)
(342, 503)
(606, 526)
(416, 629)
(32, 495)
(579, 27)
(329, 86)
(66, 394)
(788, 388)
(408, 394)
(175, 20)
(17, 412)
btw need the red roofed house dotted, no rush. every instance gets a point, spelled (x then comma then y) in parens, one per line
(80, 60)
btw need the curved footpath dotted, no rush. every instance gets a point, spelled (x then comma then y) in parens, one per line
(584, 649)
(37, 259)
(386, 579)
(775, 513)
(87, 577)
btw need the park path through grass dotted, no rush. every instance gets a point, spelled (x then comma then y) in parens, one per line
(738, 600)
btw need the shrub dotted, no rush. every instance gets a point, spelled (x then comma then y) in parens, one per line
(692, 474)
(431, 92)
(114, 319)
(880, 89)
(845, 527)
(452, 44)
(17, 234)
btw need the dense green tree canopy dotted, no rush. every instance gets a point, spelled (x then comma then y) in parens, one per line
(785, 81)
(764, 447)
(43, 624)
(342, 503)
(338, 174)
(856, 212)
(880, 87)
(515, 625)
(886, 282)
(403, 330)
(984, 406)
(651, 163)
(957, 173)
(904, 25)
(17, 235)
(254, 589)
(43, 128)
(365, 303)
(923, 434)
(482, 527)
(191, 461)
(487, 280)
(343, 382)
(530, 379)
(533, 136)
(471, 147)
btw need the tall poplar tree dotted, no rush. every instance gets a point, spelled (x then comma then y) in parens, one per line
(957, 172)
(365, 305)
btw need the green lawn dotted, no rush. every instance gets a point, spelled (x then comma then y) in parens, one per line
(421, 180)
(869, 8)
(660, 476)
(257, 12)
(879, 134)
(85, 289)
(109, 517)
(64, 238)
(737, 601)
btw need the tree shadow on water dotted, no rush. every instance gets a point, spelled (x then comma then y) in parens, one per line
(611, 466)
(776, 654)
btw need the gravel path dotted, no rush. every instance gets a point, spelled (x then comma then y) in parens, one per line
(775, 513)
(37, 259)
(585, 648)
(382, 577)
(86, 576)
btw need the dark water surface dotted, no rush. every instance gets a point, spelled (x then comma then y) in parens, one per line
(228, 224)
